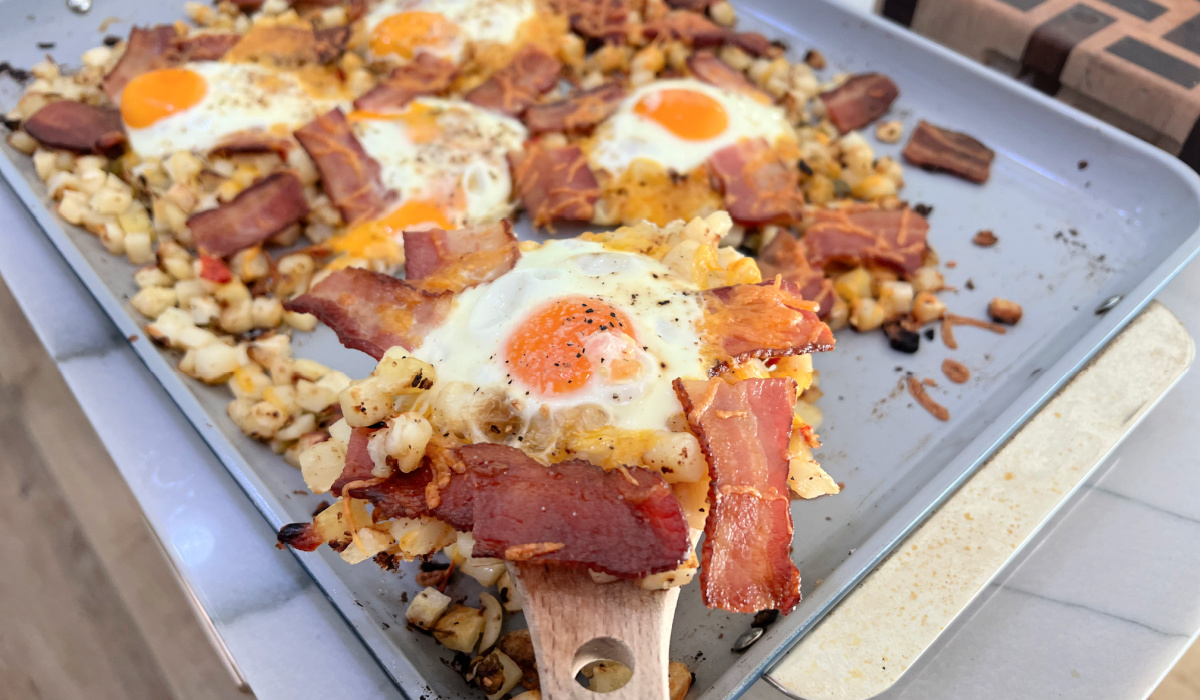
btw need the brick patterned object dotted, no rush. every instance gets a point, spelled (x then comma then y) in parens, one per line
(1133, 63)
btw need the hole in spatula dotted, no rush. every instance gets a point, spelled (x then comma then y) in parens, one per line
(603, 665)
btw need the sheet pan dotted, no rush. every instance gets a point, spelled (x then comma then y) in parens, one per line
(1084, 214)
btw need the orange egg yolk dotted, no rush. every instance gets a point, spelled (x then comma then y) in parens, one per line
(403, 34)
(380, 240)
(160, 93)
(547, 352)
(687, 114)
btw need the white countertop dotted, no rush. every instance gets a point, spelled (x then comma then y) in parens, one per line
(1100, 605)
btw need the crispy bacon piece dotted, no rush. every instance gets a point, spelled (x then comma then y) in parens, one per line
(574, 513)
(358, 461)
(941, 150)
(407, 496)
(214, 269)
(758, 186)
(859, 101)
(864, 233)
(761, 321)
(455, 260)
(372, 312)
(554, 183)
(349, 176)
(597, 19)
(745, 430)
(787, 257)
(289, 46)
(252, 141)
(693, 5)
(203, 47)
(425, 75)
(531, 74)
(257, 213)
(757, 45)
(580, 112)
(691, 28)
(77, 127)
(300, 536)
(146, 50)
(708, 68)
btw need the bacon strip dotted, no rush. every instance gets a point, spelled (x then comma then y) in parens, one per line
(425, 75)
(252, 141)
(300, 536)
(786, 256)
(289, 46)
(854, 235)
(77, 127)
(574, 513)
(349, 176)
(745, 430)
(596, 19)
(455, 260)
(761, 321)
(758, 186)
(203, 47)
(941, 150)
(859, 101)
(708, 68)
(580, 112)
(757, 45)
(531, 74)
(372, 312)
(257, 213)
(146, 50)
(554, 183)
(691, 28)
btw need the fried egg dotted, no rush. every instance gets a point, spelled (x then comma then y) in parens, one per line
(448, 161)
(400, 29)
(679, 123)
(575, 323)
(192, 107)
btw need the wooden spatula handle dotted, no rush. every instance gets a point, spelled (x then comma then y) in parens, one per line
(574, 621)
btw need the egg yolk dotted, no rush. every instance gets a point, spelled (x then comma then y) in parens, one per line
(420, 121)
(378, 239)
(160, 93)
(547, 351)
(687, 114)
(405, 33)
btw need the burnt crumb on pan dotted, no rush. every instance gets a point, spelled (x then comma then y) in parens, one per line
(985, 238)
(969, 284)
(901, 338)
(955, 371)
(112, 40)
(320, 507)
(1082, 165)
(1004, 311)
(928, 336)
(133, 337)
(815, 59)
(46, 45)
(403, 596)
(18, 74)
(765, 618)
(805, 167)
(916, 388)
(923, 209)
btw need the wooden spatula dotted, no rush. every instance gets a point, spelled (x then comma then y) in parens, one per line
(574, 621)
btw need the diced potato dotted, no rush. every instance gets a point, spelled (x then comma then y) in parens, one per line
(866, 314)
(215, 362)
(679, 679)
(189, 289)
(402, 371)
(151, 302)
(340, 431)
(309, 369)
(927, 279)
(810, 413)
(927, 307)
(300, 321)
(485, 570)
(322, 464)
(301, 425)
(493, 621)
(420, 536)
(204, 309)
(677, 456)
(237, 317)
(249, 381)
(169, 325)
(403, 440)
(853, 285)
(331, 523)
(266, 312)
(496, 674)
(798, 367)
(365, 403)
(896, 298)
(152, 277)
(668, 579)
(257, 419)
(426, 607)
(839, 315)
(607, 676)
(368, 543)
(693, 498)
(459, 628)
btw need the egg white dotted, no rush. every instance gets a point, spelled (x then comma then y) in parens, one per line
(469, 346)
(627, 136)
(478, 21)
(470, 151)
(239, 97)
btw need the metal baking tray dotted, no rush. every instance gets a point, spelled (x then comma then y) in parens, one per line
(1085, 214)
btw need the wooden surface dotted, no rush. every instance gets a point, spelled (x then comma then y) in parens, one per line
(89, 607)
(573, 622)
